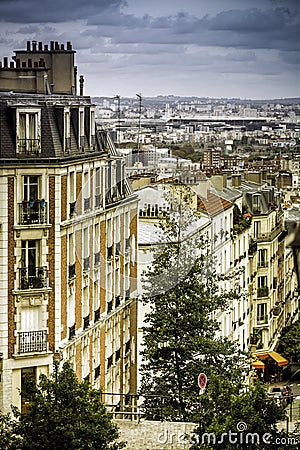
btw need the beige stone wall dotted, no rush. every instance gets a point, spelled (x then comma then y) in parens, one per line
(152, 435)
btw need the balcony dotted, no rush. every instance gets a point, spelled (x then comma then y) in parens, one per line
(262, 320)
(86, 322)
(33, 278)
(263, 264)
(86, 263)
(97, 372)
(32, 212)
(97, 258)
(109, 251)
(29, 147)
(72, 331)
(109, 306)
(67, 144)
(32, 341)
(72, 210)
(262, 291)
(97, 201)
(96, 315)
(72, 271)
(252, 248)
(87, 204)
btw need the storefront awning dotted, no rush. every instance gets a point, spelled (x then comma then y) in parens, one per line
(258, 364)
(280, 360)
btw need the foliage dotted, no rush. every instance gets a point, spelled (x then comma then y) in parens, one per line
(289, 342)
(64, 413)
(8, 438)
(240, 221)
(240, 417)
(183, 290)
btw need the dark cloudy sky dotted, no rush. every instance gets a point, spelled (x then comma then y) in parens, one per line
(214, 48)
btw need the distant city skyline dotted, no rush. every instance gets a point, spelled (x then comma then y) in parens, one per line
(203, 48)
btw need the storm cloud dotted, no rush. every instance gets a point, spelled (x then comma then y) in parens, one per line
(182, 48)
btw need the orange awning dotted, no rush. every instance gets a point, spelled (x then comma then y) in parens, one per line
(281, 361)
(258, 364)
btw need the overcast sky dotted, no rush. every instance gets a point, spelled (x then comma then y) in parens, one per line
(212, 48)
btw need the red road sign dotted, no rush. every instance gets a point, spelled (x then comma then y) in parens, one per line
(202, 380)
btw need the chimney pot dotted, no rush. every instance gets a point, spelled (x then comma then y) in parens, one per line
(34, 46)
(69, 46)
(40, 46)
(12, 65)
(28, 46)
(51, 45)
(56, 45)
(46, 48)
(5, 61)
(62, 47)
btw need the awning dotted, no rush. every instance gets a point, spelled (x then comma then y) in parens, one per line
(281, 361)
(258, 364)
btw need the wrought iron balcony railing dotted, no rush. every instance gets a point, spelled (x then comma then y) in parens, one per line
(33, 277)
(32, 341)
(32, 212)
(29, 147)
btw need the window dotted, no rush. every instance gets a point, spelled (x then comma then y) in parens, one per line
(262, 258)
(262, 313)
(31, 188)
(67, 130)
(28, 132)
(81, 129)
(98, 187)
(257, 228)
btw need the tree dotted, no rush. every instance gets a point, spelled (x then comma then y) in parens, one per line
(183, 291)
(289, 342)
(244, 420)
(65, 414)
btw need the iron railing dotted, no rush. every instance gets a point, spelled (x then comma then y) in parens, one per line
(33, 277)
(32, 341)
(29, 147)
(32, 212)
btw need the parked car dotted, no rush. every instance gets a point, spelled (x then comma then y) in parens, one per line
(282, 394)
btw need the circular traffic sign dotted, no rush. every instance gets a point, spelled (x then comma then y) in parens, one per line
(202, 380)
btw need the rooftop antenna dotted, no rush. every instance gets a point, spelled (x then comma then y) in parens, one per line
(139, 96)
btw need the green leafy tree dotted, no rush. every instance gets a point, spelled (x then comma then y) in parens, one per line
(243, 419)
(289, 342)
(64, 413)
(183, 290)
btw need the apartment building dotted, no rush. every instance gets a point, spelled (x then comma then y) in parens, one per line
(68, 227)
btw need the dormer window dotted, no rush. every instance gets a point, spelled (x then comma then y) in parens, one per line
(67, 130)
(28, 131)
